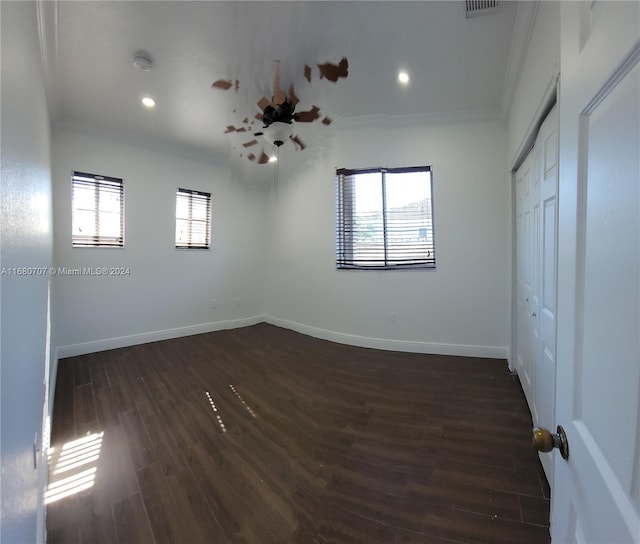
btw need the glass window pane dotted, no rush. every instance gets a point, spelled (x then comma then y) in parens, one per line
(84, 198)
(182, 231)
(182, 207)
(368, 228)
(199, 209)
(109, 201)
(84, 223)
(109, 224)
(409, 220)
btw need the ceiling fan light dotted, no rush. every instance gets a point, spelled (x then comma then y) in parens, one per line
(277, 133)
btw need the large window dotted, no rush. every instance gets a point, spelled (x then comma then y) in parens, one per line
(384, 218)
(97, 204)
(193, 219)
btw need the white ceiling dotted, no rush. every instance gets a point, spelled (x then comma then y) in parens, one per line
(455, 64)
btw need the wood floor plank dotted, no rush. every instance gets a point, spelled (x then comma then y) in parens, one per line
(169, 520)
(131, 521)
(263, 435)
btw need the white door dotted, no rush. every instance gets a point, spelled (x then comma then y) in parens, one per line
(525, 363)
(596, 497)
(536, 221)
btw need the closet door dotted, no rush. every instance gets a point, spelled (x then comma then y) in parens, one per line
(536, 235)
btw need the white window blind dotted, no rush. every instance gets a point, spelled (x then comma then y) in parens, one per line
(384, 218)
(97, 204)
(193, 219)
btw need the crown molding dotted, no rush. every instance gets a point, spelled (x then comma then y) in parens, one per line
(420, 119)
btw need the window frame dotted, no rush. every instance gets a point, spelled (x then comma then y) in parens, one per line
(109, 184)
(192, 195)
(345, 227)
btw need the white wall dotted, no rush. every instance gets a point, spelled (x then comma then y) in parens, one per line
(25, 242)
(168, 292)
(461, 307)
(541, 65)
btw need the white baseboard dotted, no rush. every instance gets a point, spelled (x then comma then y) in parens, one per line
(154, 336)
(465, 350)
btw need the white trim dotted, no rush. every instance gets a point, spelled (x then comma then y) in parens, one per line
(418, 119)
(549, 98)
(143, 338)
(413, 346)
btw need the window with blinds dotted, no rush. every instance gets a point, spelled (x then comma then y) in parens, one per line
(97, 204)
(384, 218)
(193, 219)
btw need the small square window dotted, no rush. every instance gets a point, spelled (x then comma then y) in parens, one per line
(97, 204)
(384, 219)
(193, 219)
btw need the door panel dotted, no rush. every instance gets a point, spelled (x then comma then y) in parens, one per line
(546, 309)
(524, 341)
(609, 265)
(596, 497)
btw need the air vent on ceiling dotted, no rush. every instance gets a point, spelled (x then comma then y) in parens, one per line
(480, 7)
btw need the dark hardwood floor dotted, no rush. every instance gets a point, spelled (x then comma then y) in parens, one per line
(262, 435)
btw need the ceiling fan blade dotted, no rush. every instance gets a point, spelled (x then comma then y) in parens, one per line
(262, 104)
(297, 142)
(307, 72)
(264, 158)
(231, 128)
(292, 96)
(308, 116)
(223, 84)
(332, 71)
(326, 121)
(249, 144)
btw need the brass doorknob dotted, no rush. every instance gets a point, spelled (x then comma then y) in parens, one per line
(544, 440)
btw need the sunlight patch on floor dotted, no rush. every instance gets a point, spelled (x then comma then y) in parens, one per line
(72, 468)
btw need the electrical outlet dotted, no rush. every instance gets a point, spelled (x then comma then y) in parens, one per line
(392, 317)
(214, 303)
(237, 303)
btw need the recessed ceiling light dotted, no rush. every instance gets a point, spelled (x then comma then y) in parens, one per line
(148, 102)
(403, 77)
(273, 158)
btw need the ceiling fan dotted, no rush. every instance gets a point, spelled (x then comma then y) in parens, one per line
(279, 114)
